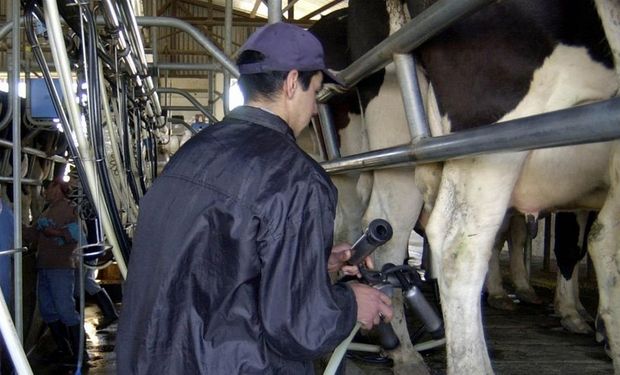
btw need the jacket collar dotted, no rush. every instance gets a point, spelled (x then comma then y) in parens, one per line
(261, 117)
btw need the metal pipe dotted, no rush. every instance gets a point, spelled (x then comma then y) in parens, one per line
(410, 92)
(34, 151)
(211, 104)
(329, 132)
(59, 53)
(181, 66)
(188, 96)
(196, 34)
(135, 36)
(274, 11)
(17, 171)
(24, 181)
(8, 116)
(8, 27)
(428, 23)
(553, 129)
(12, 338)
(227, 51)
(185, 124)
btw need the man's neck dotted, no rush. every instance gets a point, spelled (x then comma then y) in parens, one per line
(269, 106)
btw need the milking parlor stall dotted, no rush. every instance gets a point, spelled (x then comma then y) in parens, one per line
(101, 94)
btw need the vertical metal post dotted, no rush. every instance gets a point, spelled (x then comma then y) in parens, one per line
(211, 74)
(275, 11)
(329, 132)
(412, 99)
(17, 172)
(211, 91)
(227, 51)
(154, 36)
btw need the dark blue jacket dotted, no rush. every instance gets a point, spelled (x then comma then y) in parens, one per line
(228, 273)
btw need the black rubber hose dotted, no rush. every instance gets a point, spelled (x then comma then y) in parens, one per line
(94, 100)
(30, 11)
(126, 160)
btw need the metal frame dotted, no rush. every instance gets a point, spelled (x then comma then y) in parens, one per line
(553, 129)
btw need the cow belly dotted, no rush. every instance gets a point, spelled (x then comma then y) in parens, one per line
(563, 178)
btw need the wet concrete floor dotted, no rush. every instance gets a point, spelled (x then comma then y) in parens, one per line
(529, 340)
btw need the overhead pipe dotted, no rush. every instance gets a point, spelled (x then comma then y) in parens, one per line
(196, 34)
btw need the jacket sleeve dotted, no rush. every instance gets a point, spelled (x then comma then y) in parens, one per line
(304, 315)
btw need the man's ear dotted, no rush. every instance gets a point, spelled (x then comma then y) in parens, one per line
(291, 84)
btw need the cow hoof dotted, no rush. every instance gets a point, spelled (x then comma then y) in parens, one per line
(411, 369)
(577, 326)
(503, 303)
(585, 315)
(601, 332)
(528, 296)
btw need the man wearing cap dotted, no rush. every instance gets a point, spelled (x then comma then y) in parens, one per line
(233, 278)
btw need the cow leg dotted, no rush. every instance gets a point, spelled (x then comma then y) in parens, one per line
(472, 202)
(349, 211)
(604, 250)
(518, 272)
(568, 306)
(498, 297)
(394, 197)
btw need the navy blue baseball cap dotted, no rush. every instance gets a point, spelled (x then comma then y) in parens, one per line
(286, 47)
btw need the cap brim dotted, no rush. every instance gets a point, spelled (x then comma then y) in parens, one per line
(331, 77)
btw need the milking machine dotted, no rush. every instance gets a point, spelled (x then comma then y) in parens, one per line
(390, 277)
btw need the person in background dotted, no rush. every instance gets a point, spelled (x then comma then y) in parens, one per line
(56, 233)
(229, 267)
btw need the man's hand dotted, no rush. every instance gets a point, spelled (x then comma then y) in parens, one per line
(338, 258)
(372, 305)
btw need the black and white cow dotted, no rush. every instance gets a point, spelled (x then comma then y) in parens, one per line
(512, 59)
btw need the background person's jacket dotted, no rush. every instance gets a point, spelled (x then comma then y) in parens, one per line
(228, 273)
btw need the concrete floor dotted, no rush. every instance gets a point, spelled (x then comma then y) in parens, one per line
(528, 340)
(100, 347)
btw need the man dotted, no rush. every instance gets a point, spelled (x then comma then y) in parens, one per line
(229, 269)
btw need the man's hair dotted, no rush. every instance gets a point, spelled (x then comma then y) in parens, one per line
(266, 85)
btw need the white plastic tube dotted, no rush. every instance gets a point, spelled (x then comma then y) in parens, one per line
(61, 60)
(339, 352)
(11, 340)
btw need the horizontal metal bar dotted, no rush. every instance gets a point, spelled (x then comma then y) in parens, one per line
(553, 129)
(177, 66)
(24, 181)
(34, 151)
(188, 96)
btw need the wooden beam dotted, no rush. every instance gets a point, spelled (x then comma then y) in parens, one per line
(255, 9)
